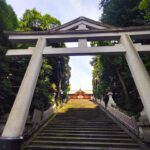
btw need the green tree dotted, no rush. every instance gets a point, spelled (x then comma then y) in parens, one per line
(31, 20)
(34, 20)
(49, 21)
(145, 5)
(121, 13)
(8, 21)
(114, 73)
(54, 66)
(60, 76)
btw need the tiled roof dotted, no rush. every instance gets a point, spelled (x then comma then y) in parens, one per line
(86, 91)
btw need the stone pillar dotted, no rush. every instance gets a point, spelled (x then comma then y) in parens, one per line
(98, 101)
(53, 98)
(143, 117)
(19, 112)
(102, 101)
(82, 43)
(142, 113)
(144, 126)
(110, 101)
(138, 71)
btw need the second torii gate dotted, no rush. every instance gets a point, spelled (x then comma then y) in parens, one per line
(80, 30)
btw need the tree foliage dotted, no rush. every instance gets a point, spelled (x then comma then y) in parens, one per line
(34, 20)
(13, 69)
(53, 72)
(112, 72)
(8, 19)
(145, 5)
(121, 13)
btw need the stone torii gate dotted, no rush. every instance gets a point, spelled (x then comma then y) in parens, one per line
(80, 30)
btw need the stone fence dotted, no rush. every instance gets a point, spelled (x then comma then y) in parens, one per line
(140, 128)
(40, 117)
(130, 122)
(38, 120)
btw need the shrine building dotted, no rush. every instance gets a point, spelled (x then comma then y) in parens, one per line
(80, 94)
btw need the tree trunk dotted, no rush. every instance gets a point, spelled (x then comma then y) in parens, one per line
(123, 85)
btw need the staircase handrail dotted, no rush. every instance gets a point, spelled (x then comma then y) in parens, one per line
(36, 124)
(128, 121)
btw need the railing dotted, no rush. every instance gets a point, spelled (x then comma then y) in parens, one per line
(39, 118)
(140, 128)
(130, 122)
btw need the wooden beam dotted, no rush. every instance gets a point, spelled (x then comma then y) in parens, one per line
(110, 50)
(74, 37)
(19, 52)
(64, 37)
(82, 43)
(142, 48)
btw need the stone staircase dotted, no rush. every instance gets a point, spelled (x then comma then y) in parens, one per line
(83, 129)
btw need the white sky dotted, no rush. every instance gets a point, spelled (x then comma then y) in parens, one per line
(66, 10)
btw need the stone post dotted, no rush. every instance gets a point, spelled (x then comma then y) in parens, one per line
(138, 71)
(143, 117)
(110, 101)
(19, 112)
(102, 102)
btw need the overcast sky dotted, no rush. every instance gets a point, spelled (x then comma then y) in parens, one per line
(66, 10)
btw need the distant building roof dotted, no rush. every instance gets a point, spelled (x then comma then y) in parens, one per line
(86, 91)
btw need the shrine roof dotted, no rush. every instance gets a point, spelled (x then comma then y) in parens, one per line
(85, 91)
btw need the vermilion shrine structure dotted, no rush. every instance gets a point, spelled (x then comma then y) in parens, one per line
(80, 94)
(81, 30)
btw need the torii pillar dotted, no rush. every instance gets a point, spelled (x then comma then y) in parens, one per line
(138, 71)
(17, 118)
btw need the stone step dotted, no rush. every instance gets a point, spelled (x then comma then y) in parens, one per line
(82, 129)
(102, 135)
(79, 131)
(82, 119)
(81, 123)
(82, 126)
(96, 139)
(53, 147)
(87, 144)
